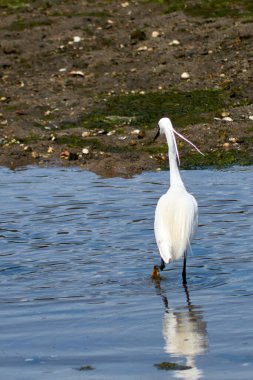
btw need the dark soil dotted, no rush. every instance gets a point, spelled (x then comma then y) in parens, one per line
(85, 83)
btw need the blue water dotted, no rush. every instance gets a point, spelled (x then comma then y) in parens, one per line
(77, 253)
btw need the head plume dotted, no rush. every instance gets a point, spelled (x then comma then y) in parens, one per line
(165, 124)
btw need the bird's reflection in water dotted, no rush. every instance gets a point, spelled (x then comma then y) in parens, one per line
(185, 334)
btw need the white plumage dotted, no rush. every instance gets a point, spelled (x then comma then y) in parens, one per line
(176, 215)
(176, 219)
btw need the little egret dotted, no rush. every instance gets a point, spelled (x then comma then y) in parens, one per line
(176, 215)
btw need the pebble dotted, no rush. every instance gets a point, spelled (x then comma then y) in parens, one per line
(155, 34)
(35, 155)
(185, 75)
(122, 138)
(174, 43)
(227, 118)
(135, 132)
(65, 154)
(125, 4)
(77, 73)
(76, 39)
(132, 142)
(226, 145)
(50, 149)
(142, 48)
(86, 134)
(225, 114)
(141, 135)
(110, 133)
(85, 151)
(27, 148)
(251, 118)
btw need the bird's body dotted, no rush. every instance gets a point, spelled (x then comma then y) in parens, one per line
(175, 223)
(176, 215)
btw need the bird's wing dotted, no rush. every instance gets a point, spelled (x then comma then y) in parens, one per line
(176, 219)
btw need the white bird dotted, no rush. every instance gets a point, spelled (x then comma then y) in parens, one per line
(176, 215)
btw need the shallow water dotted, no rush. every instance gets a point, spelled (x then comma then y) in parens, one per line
(75, 290)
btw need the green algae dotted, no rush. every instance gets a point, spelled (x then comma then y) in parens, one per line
(22, 24)
(14, 3)
(87, 367)
(168, 366)
(144, 110)
(210, 8)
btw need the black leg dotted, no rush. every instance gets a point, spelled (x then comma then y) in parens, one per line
(162, 266)
(184, 270)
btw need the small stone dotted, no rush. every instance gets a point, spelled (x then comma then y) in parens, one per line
(50, 149)
(142, 48)
(27, 148)
(155, 34)
(85, 151)
(132, 142)
(225, 114)
(174, 43)
(141, 135)
(232, 139)
(35, 155)
(86, 134)
(251, 118)
(77, 73)
(122, 138)
(65, 154)
(185, 75)
(125, 4)
(226, 145)
(227, 118)
(76, 39)
(135, 132)
(110, 133)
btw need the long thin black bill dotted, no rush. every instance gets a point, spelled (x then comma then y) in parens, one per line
(157, 134)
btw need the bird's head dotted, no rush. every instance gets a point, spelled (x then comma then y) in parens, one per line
(165, 127)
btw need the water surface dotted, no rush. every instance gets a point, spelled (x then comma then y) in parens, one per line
(75, 290)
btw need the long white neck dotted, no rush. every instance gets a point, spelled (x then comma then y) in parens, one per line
(175, 178)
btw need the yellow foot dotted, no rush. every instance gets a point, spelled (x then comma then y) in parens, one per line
(156, 274)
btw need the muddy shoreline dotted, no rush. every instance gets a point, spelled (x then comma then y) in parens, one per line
(84, 84)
